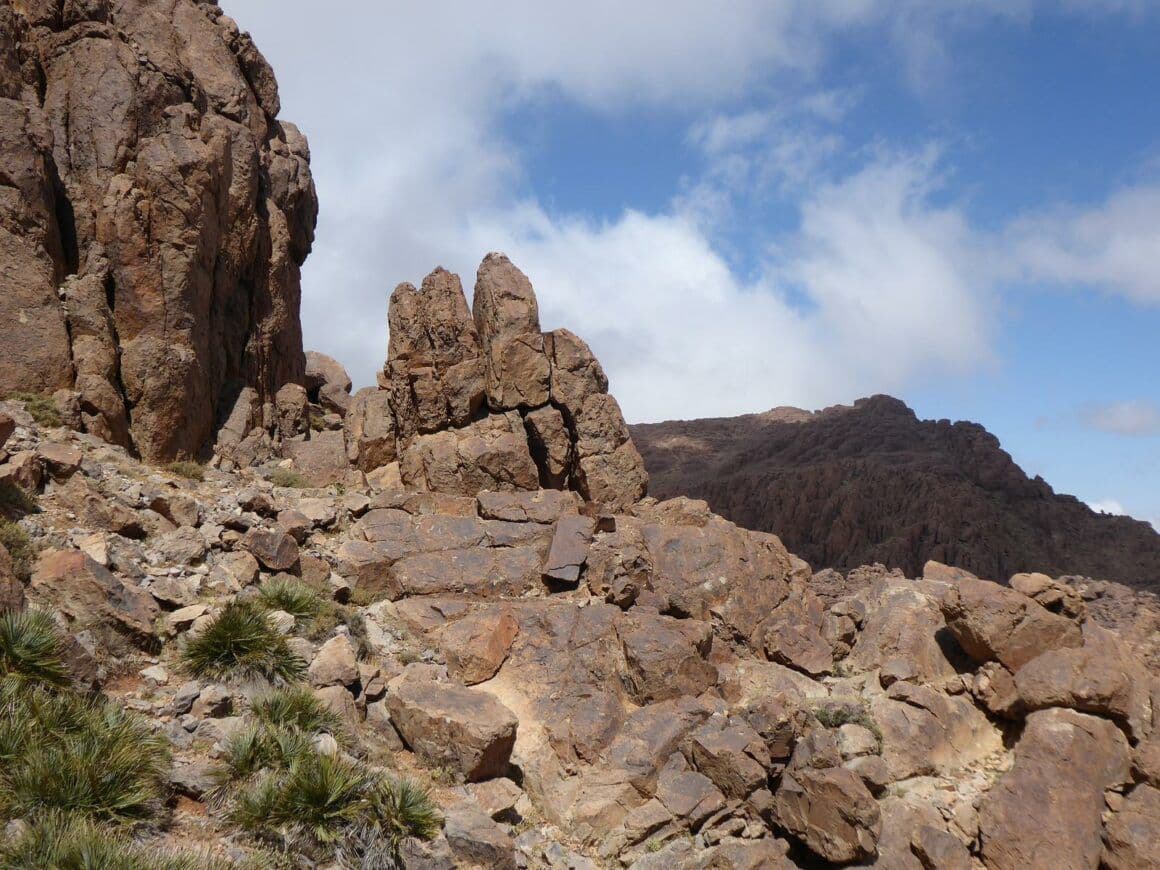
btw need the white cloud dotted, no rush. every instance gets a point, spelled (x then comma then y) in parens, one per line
(1112, 246)
(403, 107)
(1139, 417)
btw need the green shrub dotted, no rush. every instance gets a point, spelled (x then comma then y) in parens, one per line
(70, 842)
(31, 649)
(291, 595)
(69, 753)
(835, 716)
(288, 478)
(20, 547)
(241, 643)
(296, 708)
(43, 409)
(188, 470)
(16, 502)
(324, 800)
(255, 750)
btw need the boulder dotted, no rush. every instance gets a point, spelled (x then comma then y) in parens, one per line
(444, 724)
(991, 622)
(322, 370)
(1047, 810)
(731, 754)
(276, 550)
(335, 664)
(569, 550)
(1133, 832)
(476, 840)
(830, 812)
(370, 429)
(477, 645)
(71, 583)
(792, 636)
(7, 427)
(665, 657)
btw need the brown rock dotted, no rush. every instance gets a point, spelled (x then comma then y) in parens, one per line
(476, 840)
(491, 454)
(476, 646)
(85, 592)
(609, 468)
(830, 812)
(370, 429)
(731, 754)
(939, 850)
(569, 550)
(551, 446)
(991, 622)
(335, 664)
(665, 657)
(508, 320)
(467, 729)
(321, 458)
(793, 636)
(1046, 811)
(576, 373)
(902, 624)
(276, 550)
(61, 460)
(7, 427)
(1133, 832)
(11, 589)
(1101, 677)
(180, 223)
(543, 506)
(487, 573)
(322, 370)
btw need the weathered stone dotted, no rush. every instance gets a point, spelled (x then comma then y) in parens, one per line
(477, 645)
(335, 664)
(508, 320)
(731, 754)
(830, 812)
(321, 458)
(322, 370)
(370, 429)
(61, 460)
(11, 589)
(793, 636)
(609, 470)
(491, 454)
(551, 446)
(665, 657)
(991, 622)
(1133, 832)
(542, 506)
(569, 550)
(476, 840)
(939, 850)
(85, 592)
(510, 571)
(576, 373)
(466, 729)
(277, 550)
(1046, 811)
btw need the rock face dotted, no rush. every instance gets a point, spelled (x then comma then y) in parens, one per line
(475, 400)
(155, 218)
(852, 486)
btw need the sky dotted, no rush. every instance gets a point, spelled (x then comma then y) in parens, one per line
(765, 202)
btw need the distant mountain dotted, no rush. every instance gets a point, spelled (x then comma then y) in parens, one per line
(848, 486)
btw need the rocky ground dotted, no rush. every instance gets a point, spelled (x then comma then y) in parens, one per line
(854, 485)
(581, 681)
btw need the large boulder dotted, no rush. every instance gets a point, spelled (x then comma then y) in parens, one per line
(87, 593)
(1047, 810)
(159, 216)
(465, 729)
(830, 812)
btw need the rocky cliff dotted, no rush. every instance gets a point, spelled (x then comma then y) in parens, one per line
(154, 213)
(872, 483)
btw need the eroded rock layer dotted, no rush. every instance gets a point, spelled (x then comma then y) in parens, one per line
(154, 213)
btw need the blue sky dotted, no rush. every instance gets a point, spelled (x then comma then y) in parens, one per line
(794, 202)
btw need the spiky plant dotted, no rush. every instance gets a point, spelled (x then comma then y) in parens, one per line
(31, 648)
(402, 809)
(290, 595)
(61, 751)
(253, 751)
(241, 643)
(71, 842)
(297, 708)
(314, 799)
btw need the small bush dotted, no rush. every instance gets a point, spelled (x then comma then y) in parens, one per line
(20, 547)
(71, 842)
(16, 502)
(288, 478)
(43, 409)
(322, 800)
(188, 470)
(31, 649)
(241, 643)
(296, 708)
(73, 754)
(292, 596)
(848, 714)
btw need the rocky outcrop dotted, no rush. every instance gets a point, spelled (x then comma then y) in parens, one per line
(482, 400)
(852, 486)
(155, 216)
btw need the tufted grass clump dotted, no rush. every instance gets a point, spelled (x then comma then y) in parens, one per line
(31, 649)
(41, 408)
(72, 842)
(288, 478)
(296, 708)
(20, 547)
(835, 716)
(240, 643)
(68, 753)
(321, 800)
(15, 501)
(186, 469)
(292, 596)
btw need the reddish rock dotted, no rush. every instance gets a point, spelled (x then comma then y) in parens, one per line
(491, 454)
(1047, 810)
(322, 370)
(276, 550)
(830, 812)
(370, 429)
(569, 550)
(7, 427)
(665, 657)
(793, 636)
(508, 320)
(476, 646)
(467, 729)
(1133, 832)
(182, 249)
(85, 592)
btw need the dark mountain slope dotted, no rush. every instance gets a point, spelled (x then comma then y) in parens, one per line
(872, 483)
